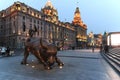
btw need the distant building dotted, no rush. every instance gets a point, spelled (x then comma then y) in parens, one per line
(81, 29)
(90, 39)
(94, 40)
(17, 20)
(113, 39)
(97, 40)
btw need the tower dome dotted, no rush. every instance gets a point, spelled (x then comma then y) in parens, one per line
(49, 4)
(50, 12)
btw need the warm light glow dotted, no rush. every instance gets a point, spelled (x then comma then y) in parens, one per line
(77, 15)
(19, 33)
(27, 34)
(32, 14)
(27, 64)
(78, 36)
(12, 9)
(18, 8)
(33, 66)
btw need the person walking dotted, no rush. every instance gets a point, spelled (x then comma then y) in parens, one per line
(93, 49)
(101, 48)
(106, 48)
(8, 51)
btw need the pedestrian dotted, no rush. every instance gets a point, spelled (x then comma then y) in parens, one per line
(106, 48)
(8, 51)
(93, 49)
(101, 48)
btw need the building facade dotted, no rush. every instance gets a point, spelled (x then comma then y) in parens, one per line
(94, 40)
(113, 39)
(17, 20)
(81, 29)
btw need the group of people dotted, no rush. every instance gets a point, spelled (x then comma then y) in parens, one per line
(104, 48)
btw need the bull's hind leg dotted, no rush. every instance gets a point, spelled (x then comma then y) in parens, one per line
(26, 54)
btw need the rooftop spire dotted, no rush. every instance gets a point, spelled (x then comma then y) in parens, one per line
(77, 18)
(77, 3)
(77, 10)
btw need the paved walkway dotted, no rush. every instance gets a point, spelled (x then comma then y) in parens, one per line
(79, 65)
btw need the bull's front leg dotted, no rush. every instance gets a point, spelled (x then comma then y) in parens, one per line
(60, 63)
(26, 54)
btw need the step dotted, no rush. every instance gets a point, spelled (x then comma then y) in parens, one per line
(114, 60)
(113, 64)
(114, 56)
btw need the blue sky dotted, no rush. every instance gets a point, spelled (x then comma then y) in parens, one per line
(98, 15)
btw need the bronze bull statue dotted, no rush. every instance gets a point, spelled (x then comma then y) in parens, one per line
(46, 54)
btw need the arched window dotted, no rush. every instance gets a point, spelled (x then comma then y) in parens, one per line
(18, 7)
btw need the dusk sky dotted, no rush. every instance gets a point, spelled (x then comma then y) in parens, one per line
(98, 15)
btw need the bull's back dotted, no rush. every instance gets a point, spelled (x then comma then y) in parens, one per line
(51, 49)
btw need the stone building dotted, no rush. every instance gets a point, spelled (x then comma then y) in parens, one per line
(81, 29)
(90, 40)
(98, 40)
(18, 19)
(94, 40)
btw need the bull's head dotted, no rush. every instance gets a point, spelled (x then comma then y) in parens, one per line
(49, 52)
(51, 60)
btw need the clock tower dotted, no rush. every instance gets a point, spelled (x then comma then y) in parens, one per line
(81, 29)
(77, 18)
